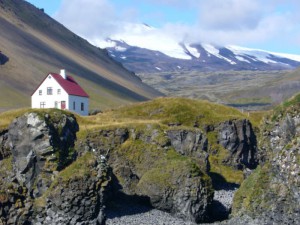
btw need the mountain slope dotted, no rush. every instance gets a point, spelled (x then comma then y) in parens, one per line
(32, 44)
(145, 49)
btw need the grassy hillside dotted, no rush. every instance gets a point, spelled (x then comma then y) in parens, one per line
(35, 45)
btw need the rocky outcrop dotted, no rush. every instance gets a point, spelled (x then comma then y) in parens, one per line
(4, 150)
(237, 136)
(80, 198)
(271, 193)
(180, 193)
(164, 166)
(36, 187)
(41, 144)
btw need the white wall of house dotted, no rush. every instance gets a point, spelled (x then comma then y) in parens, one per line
(58, 98)
(79, 105)
(43, 99)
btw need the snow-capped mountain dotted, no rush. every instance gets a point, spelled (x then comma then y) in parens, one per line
(141, 48)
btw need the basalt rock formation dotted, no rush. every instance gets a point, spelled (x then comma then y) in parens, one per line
(36, 187)
(173, 165)
(40, 145)
(271, 194)
(237, 136)
(4, 150)
(151, 162)
(169, 165)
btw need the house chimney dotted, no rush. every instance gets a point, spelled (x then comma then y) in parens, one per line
(63, 74)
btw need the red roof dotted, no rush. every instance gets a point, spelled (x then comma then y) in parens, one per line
(69, 85)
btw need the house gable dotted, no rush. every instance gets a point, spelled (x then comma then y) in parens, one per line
(68, 84)
(62, 92)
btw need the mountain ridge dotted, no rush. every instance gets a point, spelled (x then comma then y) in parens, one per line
(153, 46)
(35, 45)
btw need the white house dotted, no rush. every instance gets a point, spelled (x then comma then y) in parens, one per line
(62, 92)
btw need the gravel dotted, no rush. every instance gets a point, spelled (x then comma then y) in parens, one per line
(150, 217)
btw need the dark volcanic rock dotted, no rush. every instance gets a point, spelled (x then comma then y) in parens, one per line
(273, 188)
(191, 143)
(237, 136)
(36, 187)
(4, 150)
(80, 200)
(164, 166)
(182, 195)
(41, 144)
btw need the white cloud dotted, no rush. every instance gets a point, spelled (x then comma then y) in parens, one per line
(89, 18)
(222, 22)
(230, 14)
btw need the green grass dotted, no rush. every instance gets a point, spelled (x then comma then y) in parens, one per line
(292, 105)
(158, 114)
(81, 167)
(251, 192)
(253, 100)
(179, 111)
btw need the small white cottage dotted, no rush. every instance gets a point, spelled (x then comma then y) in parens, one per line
(62, 92)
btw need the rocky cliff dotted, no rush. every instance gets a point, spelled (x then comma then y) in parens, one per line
(170, 165)
(170, 156)
(146, 164)
(36, 187)
(271, 193)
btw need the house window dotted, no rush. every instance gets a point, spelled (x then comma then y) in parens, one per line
(40, 92)
(56, 104)
(42, 105)
(49, 91)
(58, 91)
(82, 106)
(74, 105)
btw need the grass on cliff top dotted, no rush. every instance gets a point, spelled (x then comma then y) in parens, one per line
(290, 105)
(179, 110)
(164, 111)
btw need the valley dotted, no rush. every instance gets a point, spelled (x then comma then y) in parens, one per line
(247, 90)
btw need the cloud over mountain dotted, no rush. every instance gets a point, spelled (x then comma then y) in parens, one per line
(243, 22)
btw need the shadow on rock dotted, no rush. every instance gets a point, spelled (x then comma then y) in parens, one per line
(220, 183)
(218, 211)
(125, 205)
(220, 208)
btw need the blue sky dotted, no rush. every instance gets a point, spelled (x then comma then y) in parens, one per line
(265, 24)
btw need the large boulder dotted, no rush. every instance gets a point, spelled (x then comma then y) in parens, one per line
(163, 166)
(78, 195)
(41, 143)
